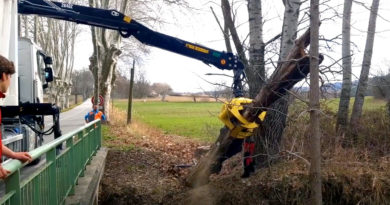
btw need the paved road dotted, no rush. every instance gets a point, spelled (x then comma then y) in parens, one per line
(69, 121)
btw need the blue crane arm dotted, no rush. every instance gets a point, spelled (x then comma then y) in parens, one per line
(112, 19)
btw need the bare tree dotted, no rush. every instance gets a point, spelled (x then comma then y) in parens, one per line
(81, 83)
(363, 80)
(218, 91)
(107, 43)
(106, 52)
(268, 141)
(342, 116)
(315, 135)
(57, 38)
(256, 68)
(380, 86)
(141, 85)
(162, 89)
(121, 87)
(229, 22)
(275, 122)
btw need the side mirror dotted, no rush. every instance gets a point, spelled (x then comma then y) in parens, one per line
(49, 74)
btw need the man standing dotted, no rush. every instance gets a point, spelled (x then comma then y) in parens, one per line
(6, 70)
(94, 115)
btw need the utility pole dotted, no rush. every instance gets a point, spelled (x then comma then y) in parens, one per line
(130, 101)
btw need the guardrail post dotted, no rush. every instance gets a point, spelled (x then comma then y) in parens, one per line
(12, 183)
(99, 137)
(83, 150)
(88, 146)
(78, 156)
(51, 158)
(94, 139)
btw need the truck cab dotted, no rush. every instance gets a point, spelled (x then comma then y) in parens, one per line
(34, 74)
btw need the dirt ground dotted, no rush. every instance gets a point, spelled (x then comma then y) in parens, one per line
(152, 169)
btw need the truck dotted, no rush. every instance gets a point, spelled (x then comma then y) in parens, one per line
(17, 133)
(23, 109)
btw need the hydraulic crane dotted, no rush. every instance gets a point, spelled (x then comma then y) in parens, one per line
(231, 115)
(126, 26)
(112, 19)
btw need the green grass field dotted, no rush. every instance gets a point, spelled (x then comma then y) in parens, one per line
(369, 104)
(194, 120)
(199, 120)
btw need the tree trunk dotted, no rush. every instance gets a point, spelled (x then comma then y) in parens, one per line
(227, 16)
(268, 144)
(95, 64)
(315, 135)
(255, 71)
(290, 26)
(342, 116)
(35, 29)
(67, 95)
(227, 38)
(269, 139)
(26, 32)
(388, 108)
(107, 75)
(363, 81)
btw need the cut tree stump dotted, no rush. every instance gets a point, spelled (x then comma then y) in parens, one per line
(288, 73)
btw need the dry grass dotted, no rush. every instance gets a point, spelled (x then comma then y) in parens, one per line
(373, 132)
(353, 175)
(356, 174)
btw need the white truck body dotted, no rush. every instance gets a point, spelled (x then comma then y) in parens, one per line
(26, 84)
(31, 72)
(9, 45)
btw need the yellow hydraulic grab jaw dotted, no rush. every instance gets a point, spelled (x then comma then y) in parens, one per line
(231, 116)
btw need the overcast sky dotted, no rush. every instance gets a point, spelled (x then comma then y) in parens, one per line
(199, 26)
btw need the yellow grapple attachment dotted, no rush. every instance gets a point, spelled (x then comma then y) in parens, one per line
(230, 115)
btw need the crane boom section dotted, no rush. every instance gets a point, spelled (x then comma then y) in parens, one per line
(112, 19)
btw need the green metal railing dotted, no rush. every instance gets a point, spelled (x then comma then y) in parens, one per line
(57, 177)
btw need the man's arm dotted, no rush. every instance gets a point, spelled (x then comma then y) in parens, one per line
(22, 156)
(7, 152)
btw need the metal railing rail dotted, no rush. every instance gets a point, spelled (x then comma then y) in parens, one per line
(57, 177)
